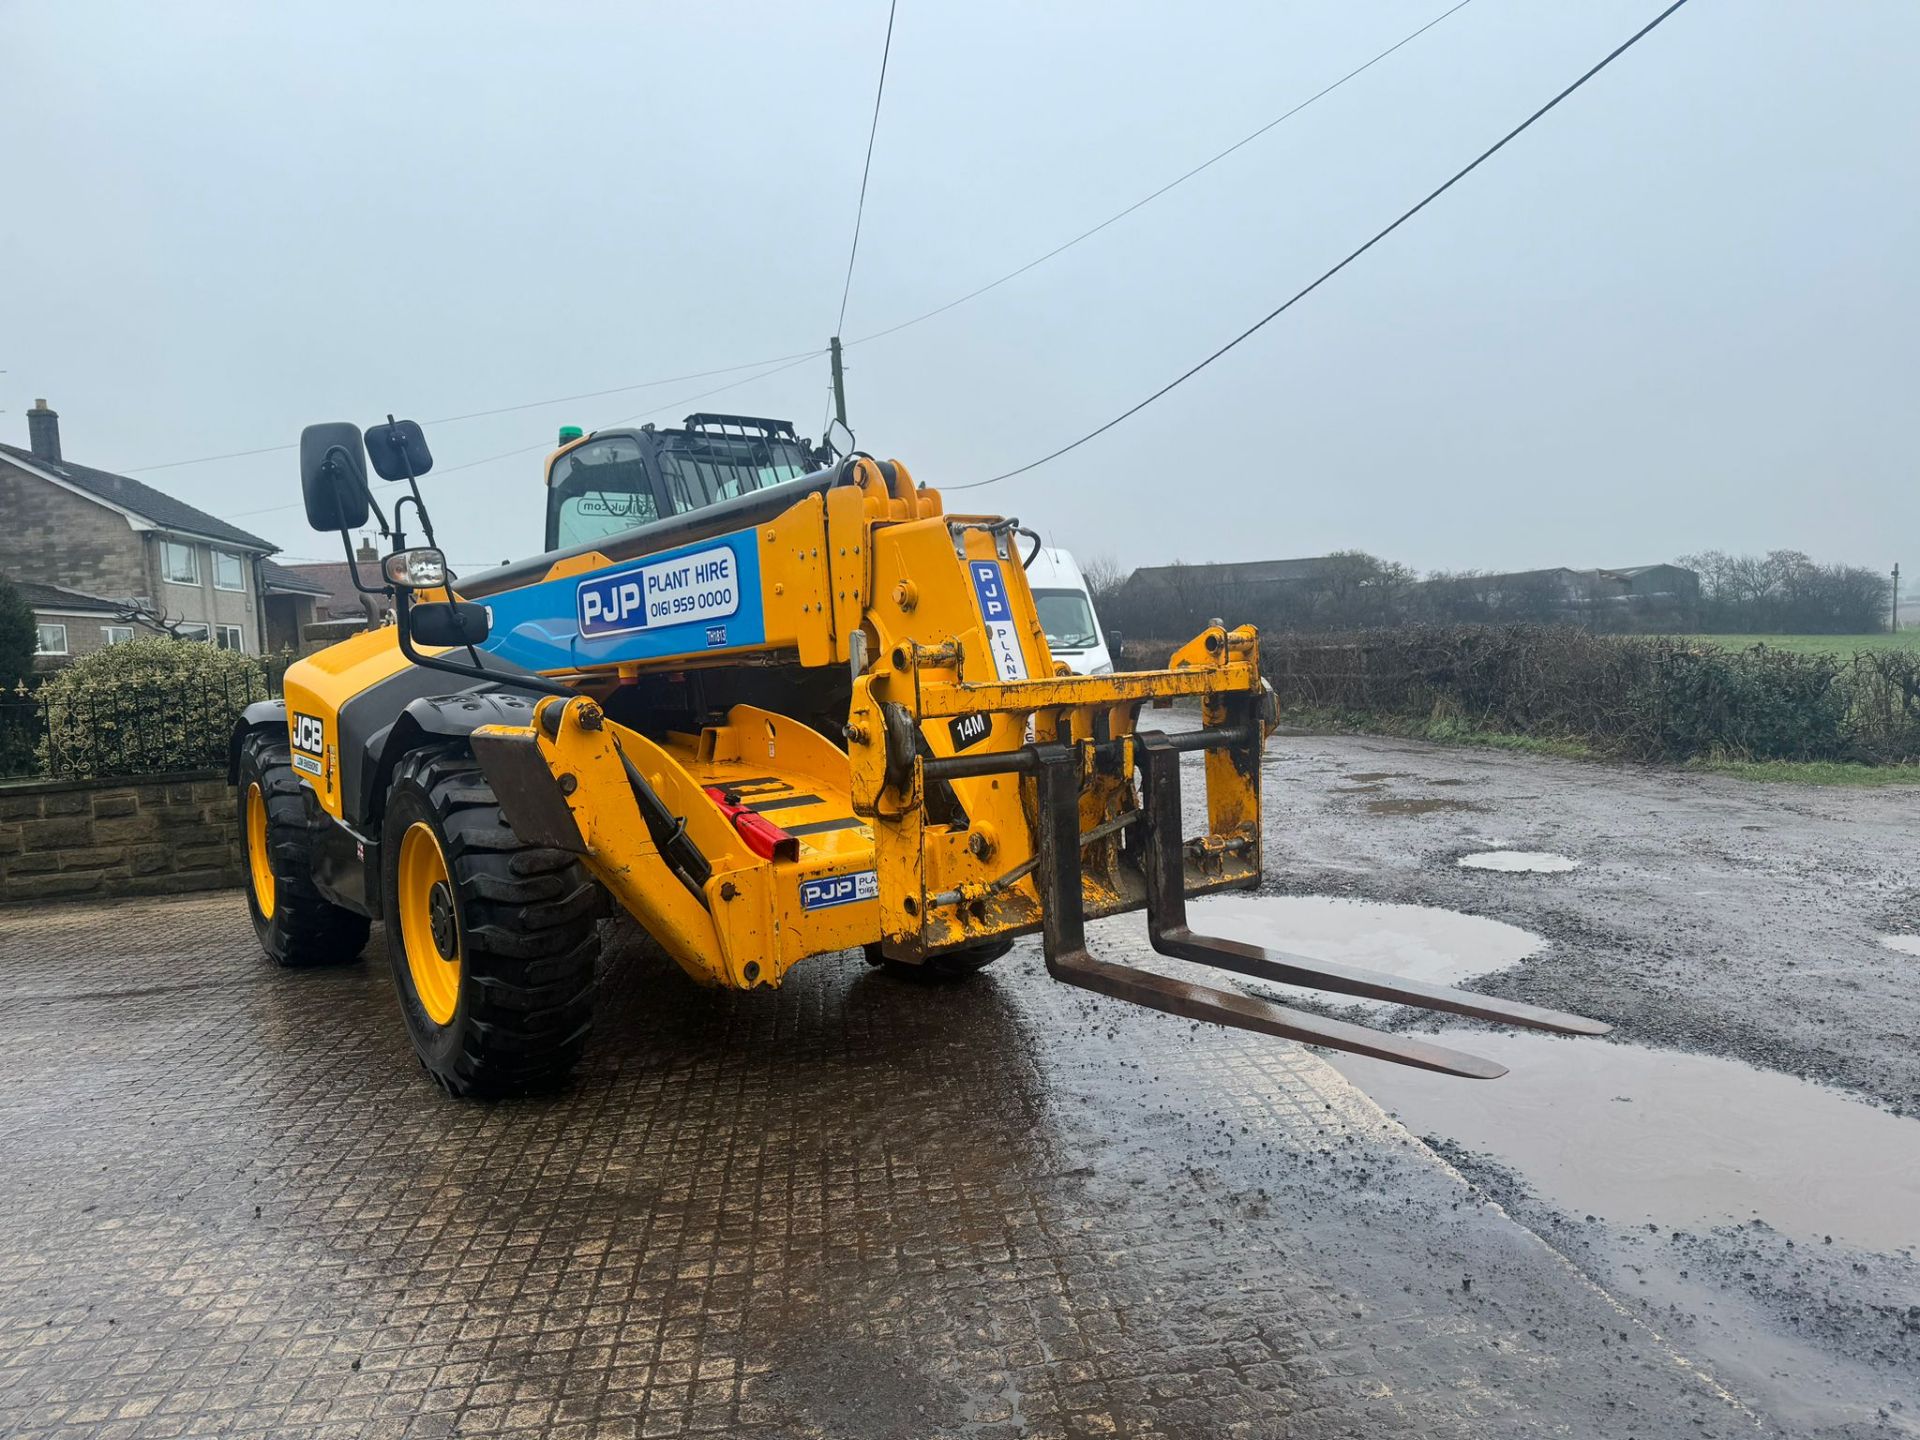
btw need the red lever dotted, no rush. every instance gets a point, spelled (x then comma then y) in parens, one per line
(763, 837)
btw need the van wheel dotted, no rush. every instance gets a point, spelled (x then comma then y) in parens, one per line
(493, 941)
(297, 926)
(948, 965)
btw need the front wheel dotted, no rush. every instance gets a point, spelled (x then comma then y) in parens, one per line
(297, 925)
(493, 941)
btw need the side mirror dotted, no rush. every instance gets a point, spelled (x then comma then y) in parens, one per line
(333, 476)
(399, 449)
(839, 439)
(1113, 645)
(446, 625)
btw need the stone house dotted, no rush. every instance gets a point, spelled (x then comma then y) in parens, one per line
(294, 604)
(109, 557)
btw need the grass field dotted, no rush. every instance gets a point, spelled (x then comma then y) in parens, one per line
(1815, 644)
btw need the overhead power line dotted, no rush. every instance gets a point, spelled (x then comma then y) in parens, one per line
(509, 409)
(872, 130)
(1172, 184)
(973, 294)
(1302, 294)
(664, 408)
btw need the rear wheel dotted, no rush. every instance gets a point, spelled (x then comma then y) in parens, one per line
(493, 941)
(297, 925)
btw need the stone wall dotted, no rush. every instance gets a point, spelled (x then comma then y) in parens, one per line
(154, 835)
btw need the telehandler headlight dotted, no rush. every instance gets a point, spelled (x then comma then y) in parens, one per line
(415, 569)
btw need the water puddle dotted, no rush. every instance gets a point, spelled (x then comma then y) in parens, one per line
(1641, 1136)
(1519, 862)
(1417, 807)
(1373, 775)
(1905, 944)
(1411, 941)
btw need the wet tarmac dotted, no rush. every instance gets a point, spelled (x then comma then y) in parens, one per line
(1412, 942)
(1772, 1221)
(1709, 1141)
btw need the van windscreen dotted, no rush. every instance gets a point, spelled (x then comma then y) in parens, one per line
(1067, 618)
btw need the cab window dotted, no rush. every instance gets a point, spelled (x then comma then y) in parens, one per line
(600, 489)
(704, 469)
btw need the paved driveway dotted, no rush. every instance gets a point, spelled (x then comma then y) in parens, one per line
(230, 1204)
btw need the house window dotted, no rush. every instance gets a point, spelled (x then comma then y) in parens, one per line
(229, 571)
(180, 563)
(230, 637)
(53, 639)
(195, 631)
(116, 634)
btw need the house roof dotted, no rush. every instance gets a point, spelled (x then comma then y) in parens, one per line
(1242, 572)
(65, 602)
(290, 581)
(335, 581)
(140, 499)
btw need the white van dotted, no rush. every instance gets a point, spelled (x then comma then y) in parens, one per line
(1066, 612)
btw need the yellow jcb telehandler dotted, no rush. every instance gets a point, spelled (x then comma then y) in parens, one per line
(771, 702)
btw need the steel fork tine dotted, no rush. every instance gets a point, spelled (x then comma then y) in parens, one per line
(1068, 960)
(1170, 934)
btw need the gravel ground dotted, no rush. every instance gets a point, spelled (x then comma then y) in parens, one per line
(1707, 917)
(1707, 913)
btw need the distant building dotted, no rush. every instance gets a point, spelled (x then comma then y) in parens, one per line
(293, 604)
(110, 557)
(1245, 575)
(340, 608)
(1667, 585)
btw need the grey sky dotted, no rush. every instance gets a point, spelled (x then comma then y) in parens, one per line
(1681, 312)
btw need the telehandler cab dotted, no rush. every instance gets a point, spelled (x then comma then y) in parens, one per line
(770, 709)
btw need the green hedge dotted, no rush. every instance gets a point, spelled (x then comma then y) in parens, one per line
(1650, 697)
(145, 708)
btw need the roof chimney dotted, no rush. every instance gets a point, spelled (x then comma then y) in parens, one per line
(366, 554)
(43, 431)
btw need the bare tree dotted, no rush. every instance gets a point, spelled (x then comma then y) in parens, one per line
(1104, 577)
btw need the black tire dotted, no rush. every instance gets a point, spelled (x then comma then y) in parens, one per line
(948, 965)
(523, 927)
(297, 926)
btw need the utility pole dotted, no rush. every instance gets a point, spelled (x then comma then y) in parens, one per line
(1896, 597)
(839, 381)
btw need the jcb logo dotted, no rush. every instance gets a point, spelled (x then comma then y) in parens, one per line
(308, 734)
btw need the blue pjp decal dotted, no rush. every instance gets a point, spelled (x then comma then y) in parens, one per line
(990, 588)
(831, 890)
(698, 599)
(680, 590)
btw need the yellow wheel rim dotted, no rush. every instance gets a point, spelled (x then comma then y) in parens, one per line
(429, 922)
(259, 862)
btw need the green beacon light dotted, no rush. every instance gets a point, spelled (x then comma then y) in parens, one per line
(570, 433)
